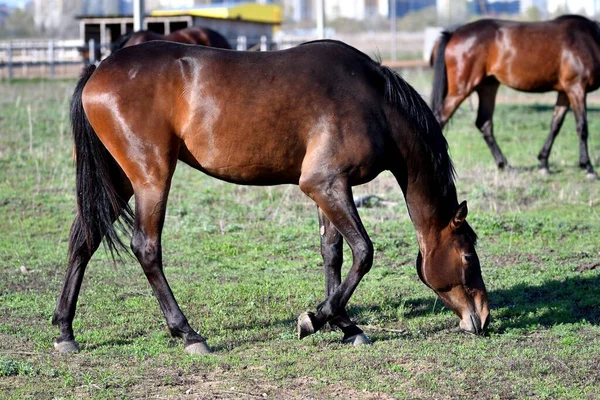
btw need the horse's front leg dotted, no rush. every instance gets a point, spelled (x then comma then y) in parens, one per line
(334, 198)
(332, 252)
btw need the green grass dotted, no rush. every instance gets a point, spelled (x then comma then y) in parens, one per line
(244, 262)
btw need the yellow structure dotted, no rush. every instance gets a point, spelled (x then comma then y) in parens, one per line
(251, 21)
(250, 12)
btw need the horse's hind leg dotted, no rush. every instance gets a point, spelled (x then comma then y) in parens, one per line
(79, 256)
(67, 301)
(577, 97)
(334, 198)
(150, 208)
(560, 110)
(487, 101)
(332, 252)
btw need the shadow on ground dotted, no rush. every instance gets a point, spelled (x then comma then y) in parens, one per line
(555, 302)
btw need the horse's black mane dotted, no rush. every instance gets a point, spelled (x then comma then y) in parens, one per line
(411, 104)
(340, 43)
(593, 25)
(573, 16)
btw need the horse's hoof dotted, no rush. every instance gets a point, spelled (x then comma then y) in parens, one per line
(67, 347)
(305, 325)
(544, 171)
(198, 348)
(592, 176)
(358, 340)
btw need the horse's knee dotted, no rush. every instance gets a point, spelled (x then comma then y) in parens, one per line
(332, 254)
(145, 249)
(484, 125)
(363, 257)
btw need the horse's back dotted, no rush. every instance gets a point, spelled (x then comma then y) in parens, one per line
(527, 56)
(230, 110)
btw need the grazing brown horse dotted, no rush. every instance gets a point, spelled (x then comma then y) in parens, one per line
(561, 55)
(322, 115)
(191, 35)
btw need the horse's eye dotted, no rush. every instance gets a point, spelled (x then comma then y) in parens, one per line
(469, 258)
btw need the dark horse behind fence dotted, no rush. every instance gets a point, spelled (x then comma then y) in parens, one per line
(561, 55)
(322, 115)
(191, 35)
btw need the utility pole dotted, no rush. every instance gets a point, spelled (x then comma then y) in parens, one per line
(138, 15)
(320, 19)
(393, 27)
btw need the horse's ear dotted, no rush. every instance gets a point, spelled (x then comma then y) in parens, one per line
(460, 215)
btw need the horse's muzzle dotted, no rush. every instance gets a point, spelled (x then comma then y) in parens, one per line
(474, 323)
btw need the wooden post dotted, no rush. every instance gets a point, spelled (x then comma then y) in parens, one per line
(103, 40)
(10, 60)
(263, 43)
(242, 43)
(51, 57)
(92, 51)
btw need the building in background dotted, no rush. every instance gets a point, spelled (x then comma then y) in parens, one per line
(589, 7)
(404, 7)
(299, 10)
(4, 12)
(545, 7)
(361, 9)
(541, 5)
(304, 10)
(493, 7)
(56, 17)
(117, 7)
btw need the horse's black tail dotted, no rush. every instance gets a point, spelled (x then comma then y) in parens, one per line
(99, 204)
(440, 76)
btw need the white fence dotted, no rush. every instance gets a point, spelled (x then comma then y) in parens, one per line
(31, 54)
(64, 58)
(42, 57)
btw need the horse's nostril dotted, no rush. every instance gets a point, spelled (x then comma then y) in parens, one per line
(474, 324)
(486, 322)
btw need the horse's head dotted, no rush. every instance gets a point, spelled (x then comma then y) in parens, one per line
(448, 264)
(84, 52)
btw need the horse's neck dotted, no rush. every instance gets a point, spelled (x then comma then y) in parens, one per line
(430, 204)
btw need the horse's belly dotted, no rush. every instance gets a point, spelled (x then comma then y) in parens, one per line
(243, 164)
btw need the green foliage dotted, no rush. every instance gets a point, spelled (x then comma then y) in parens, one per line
(10, 367)
(19, 24)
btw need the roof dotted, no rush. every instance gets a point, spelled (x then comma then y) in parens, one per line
(253, 12)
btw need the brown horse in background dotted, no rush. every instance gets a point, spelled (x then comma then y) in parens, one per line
(561, 55)
(322, 115)
(191, 35)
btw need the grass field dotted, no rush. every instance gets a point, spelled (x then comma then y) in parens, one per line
(244, 262)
